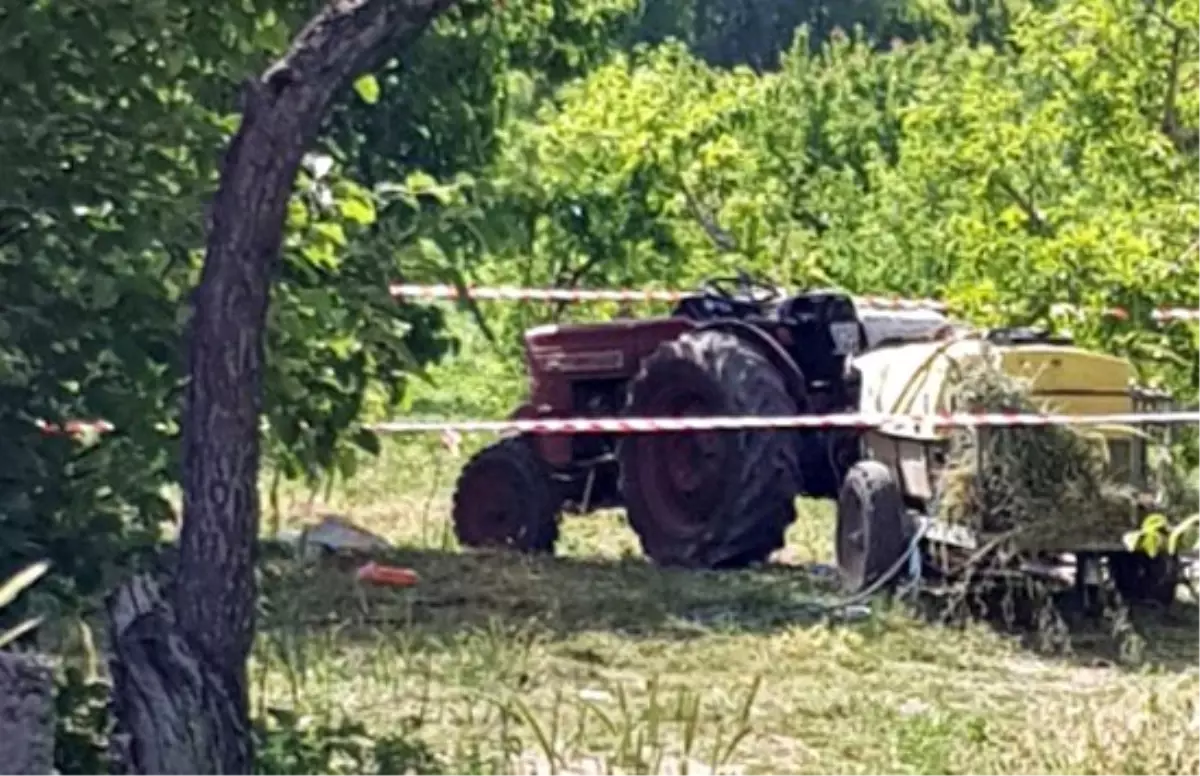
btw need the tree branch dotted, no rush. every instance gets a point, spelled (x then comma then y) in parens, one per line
(1036, 221)
(722, 239)
(572, 280)
(1180, 137)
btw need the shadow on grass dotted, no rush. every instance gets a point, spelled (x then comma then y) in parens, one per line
(569, 595)
(564, 595)
(1104, 635)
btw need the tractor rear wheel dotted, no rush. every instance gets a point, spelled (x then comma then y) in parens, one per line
(709, 499)
(505, 498)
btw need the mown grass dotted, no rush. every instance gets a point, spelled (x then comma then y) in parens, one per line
(595, 661)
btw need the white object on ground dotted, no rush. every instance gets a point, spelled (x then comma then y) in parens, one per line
(334, 533)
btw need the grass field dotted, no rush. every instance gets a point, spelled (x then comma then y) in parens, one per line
(594, 661)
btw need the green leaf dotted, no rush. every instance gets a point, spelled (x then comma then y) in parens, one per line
(1155, 522)
(367, 87)
(420, 182)
(1180, 531)
(297, 214)
(1150, 537)
(357, 209)
(332, 232)
(431, 251)
(346, 462)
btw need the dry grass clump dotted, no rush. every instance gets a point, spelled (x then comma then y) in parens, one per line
(1047, 485)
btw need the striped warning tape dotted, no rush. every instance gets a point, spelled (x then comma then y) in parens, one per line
(1160, 315)
(517, 294)
(860, 421)
(75, 427)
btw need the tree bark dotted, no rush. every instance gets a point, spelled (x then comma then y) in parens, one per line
(26, 714)
(185, 654)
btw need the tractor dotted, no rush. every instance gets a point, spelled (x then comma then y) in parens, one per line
(701, 499)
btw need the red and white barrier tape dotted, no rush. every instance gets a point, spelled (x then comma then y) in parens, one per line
(844, 420)
(859, 421)
(516, 294)
(1161, 315)
(75, 427)
(1175, 314)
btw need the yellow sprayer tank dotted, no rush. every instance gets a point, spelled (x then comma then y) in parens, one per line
(917, 378)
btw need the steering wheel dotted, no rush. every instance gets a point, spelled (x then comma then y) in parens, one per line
(749, 288)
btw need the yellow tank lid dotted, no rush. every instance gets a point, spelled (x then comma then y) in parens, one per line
(917, 378)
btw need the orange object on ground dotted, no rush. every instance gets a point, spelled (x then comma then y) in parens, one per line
(395, 576)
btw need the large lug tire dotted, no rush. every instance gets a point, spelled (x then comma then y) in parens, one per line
(505, 498)
(709, 499)
(873, 528)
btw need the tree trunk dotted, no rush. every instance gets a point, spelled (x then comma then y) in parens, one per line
(181, 687)
(26, 714)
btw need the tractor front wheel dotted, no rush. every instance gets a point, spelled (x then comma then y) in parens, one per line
(873, 530)
(505, 498)
(709, 499)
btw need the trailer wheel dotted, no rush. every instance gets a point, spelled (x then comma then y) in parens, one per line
(709, 499)
(873, 529)
(505, 498)
(1140, 578)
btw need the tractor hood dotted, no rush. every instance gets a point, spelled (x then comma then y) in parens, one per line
(612, 348)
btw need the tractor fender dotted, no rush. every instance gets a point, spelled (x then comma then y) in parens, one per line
(553, 449)
(793, 377)
(526, 411)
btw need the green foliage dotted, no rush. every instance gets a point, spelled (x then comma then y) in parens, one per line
(1060, 167)
(290, 743)
(756, 33)
(110, 139)
(1157, 535)
(552, 41)
(334, 330)
(284, 742)
(102, 167)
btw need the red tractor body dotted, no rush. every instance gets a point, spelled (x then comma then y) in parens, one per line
(706, 499)
(583, 369)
